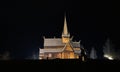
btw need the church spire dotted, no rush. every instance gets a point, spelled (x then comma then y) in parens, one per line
(65, 34)
(65, 29)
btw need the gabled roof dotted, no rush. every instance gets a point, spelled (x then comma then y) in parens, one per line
(66, 45)
(58, 42)
(75, 44)
(53, 42)
(51, 50)
(58, 49)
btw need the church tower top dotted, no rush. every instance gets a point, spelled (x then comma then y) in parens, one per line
(65, 34)
(65, 28)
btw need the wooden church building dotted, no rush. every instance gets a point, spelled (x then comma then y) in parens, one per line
(60, 48)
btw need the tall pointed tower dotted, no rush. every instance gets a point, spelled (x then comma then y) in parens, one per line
(65, 34)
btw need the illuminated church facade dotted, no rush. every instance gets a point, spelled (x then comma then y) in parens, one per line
(60, 48)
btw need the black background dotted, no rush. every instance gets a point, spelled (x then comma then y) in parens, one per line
(24, 22)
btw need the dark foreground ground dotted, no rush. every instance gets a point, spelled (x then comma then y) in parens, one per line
(63, 65)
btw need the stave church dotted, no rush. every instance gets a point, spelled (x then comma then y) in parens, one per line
(60, 48)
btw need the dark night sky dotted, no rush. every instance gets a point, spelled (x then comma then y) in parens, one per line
(27, 21)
